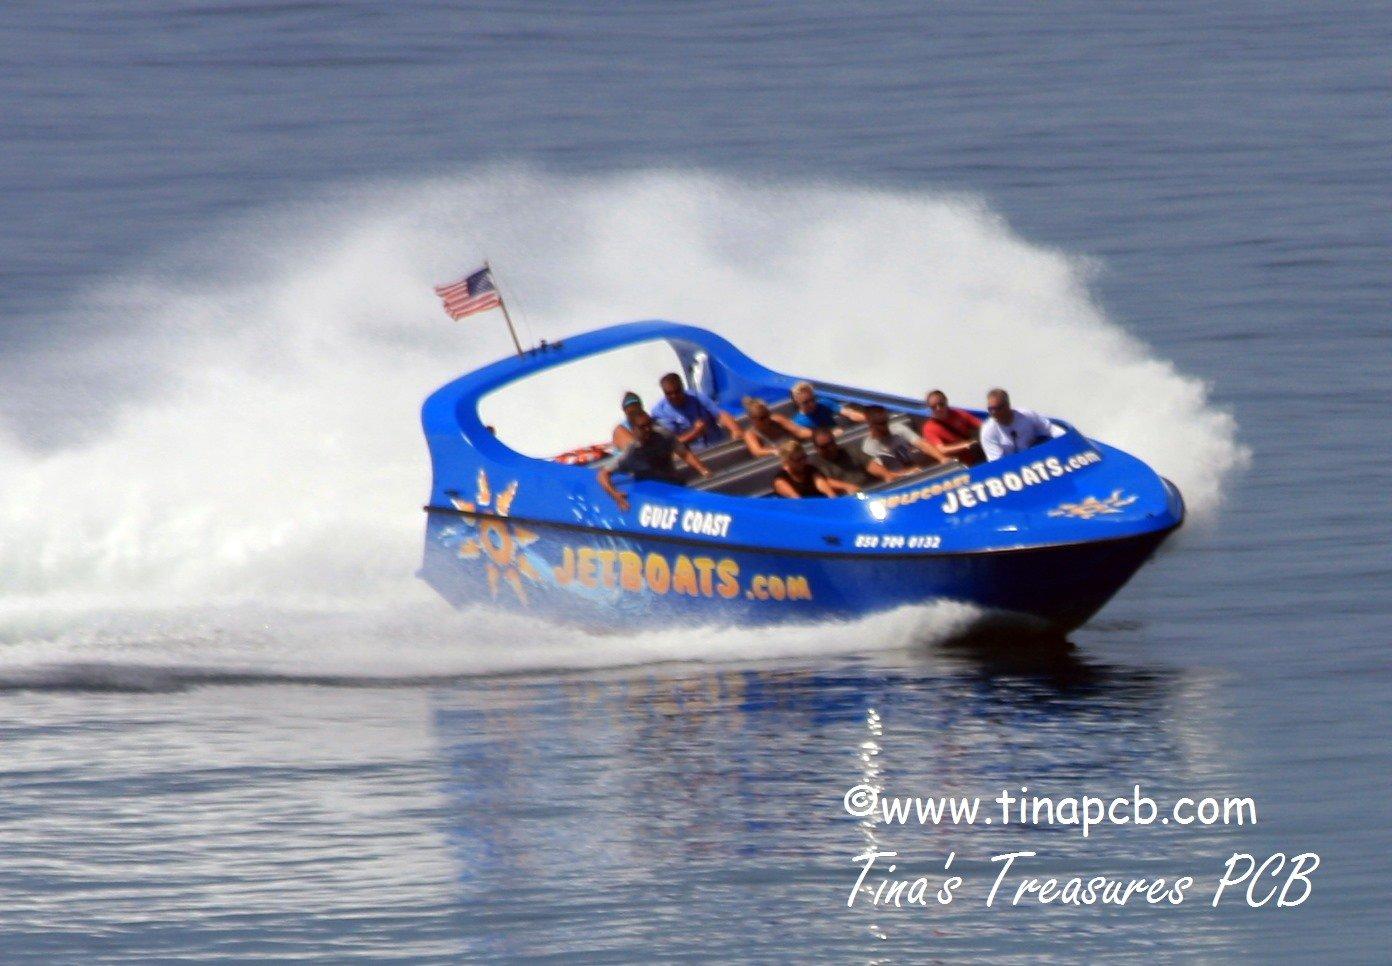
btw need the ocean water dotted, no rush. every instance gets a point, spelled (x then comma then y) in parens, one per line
(233, 723)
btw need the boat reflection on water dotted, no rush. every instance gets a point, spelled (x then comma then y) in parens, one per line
(702, 808)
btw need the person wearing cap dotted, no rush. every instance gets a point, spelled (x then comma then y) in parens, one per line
(631, 405)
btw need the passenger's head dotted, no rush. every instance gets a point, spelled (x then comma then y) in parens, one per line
(791, 453)
(756, 409)
(937, 401)
(673, 388)
(804, 397)
(998, 405)
(877, 418)
(631, 403)
(825, 442)
(643, 428)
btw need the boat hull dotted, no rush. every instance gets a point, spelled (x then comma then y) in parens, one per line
(592, 577)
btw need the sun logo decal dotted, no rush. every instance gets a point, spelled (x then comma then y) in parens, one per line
(1093, 507)
(500, 542)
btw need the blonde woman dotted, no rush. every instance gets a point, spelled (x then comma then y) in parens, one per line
(766, 429)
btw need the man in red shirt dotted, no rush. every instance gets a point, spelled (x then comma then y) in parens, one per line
(954, 431)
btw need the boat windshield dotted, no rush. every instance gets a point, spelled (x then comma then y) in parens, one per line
(576, 404)
(569, 412)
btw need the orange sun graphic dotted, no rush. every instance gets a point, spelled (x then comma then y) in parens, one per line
(498, 540)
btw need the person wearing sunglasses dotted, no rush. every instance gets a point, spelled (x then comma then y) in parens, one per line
(895, 447)
(847, 465)
(1010, 430)
(954, 431)
(692, 416)
(798, 479)
(811, 413)
(766, 428)
(648, 457)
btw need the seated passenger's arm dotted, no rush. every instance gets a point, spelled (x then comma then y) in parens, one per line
(692, 460)
(1043, 428)
(731, 425)
(831, 487)
(622, 438)
(931, 449)
(755, 444)
(878, 469)
(697, 428)
(990, 442)
(606, 480)
(785, 489)
(789, 427)
(852, 412)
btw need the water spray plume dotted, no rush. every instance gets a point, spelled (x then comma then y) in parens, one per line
(245, 431)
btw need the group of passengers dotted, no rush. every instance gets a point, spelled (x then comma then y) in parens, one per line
(686, 421)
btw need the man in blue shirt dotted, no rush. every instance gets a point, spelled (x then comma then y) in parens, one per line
(811, 413)
(691, 416)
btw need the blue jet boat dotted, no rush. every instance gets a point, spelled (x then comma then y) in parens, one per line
(1045, 536)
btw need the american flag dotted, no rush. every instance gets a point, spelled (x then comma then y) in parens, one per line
(474, 293)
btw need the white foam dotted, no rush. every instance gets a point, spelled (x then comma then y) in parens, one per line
(247, 428)
(160, 649)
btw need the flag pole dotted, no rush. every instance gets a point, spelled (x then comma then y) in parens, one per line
(503, 305)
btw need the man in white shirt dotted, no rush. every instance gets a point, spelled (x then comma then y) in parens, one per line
(1012, 430)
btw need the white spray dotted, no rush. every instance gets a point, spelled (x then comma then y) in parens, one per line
(247, 429)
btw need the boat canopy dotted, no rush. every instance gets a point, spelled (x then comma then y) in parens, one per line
(709, 363)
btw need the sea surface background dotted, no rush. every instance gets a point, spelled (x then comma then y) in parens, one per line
(233, 724)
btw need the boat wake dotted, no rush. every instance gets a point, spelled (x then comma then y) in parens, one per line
(142, 651)
(245, 440)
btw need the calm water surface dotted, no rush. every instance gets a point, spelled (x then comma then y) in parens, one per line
(1229, 169)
